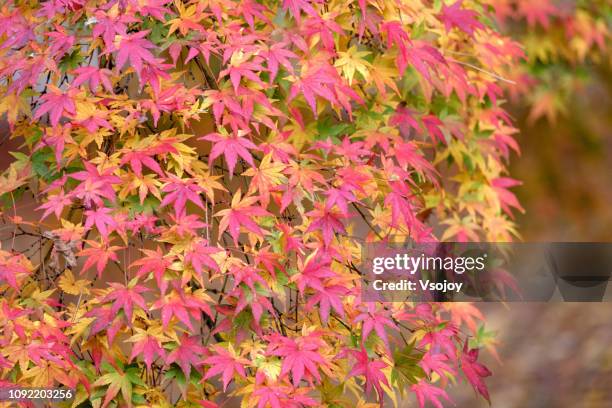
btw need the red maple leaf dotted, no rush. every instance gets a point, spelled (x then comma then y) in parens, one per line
(99, 253)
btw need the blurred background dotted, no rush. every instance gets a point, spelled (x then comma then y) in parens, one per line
(557, 354)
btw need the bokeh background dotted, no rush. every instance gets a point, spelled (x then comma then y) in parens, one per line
(558, 354)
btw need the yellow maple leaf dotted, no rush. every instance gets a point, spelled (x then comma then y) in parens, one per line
(352, 61)
(70, 285)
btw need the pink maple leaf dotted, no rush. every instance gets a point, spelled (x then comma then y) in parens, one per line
(199, 256)
(94, 76)
(225, 363)
(187, 353)
(327, 220)
(55, 204)
(329, 297)
(135, 48)
(506, 197)
(57, 103)
(179, 192)
(376, 320)
(425, 391)
(150, 347)
(475, 371)
(300, 355)
(455, 16)
(232, 147)
(105, 223)
(125, 297)
(155, 262)
(240, 214)
(371, 370)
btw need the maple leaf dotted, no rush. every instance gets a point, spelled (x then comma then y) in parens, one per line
(186, 353)
(182, 305)
(179, 191)
(537, 12)
(401, 208)
(240, 214)
(425, 391)
(154, 262)
(455, 16)
(506, 197)
(94, 76)
(99, 253)
(12, 266)
(436, 362)
(433, 125)
(55, 204)
(57, 103)
(375, 320)
(135, 48)
(353, 61)
(103, 318)
(371, 370)
(320, 81)
(105, 223)
(329, 297)
(119, 380)
(441, 339)
(97, 184)
(300, 356)
(148, 343)
(277, 55)
(240, 67)
(225, 362)
(199, 256)
(232, 147)
(139, 158)
(56, 139)
(72, 286)
(312, 271)
(265, 177)
(327, 220)
(474, 371)
(297, 6)
(125, 297)
(407, 154)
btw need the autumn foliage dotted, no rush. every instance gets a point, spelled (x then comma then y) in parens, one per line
(204, 174)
